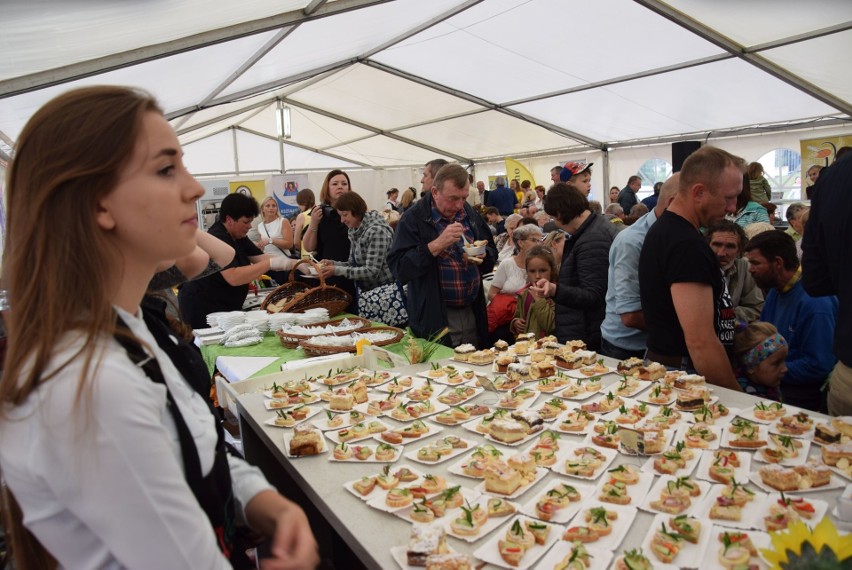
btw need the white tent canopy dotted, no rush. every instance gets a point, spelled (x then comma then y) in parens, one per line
(387, 84)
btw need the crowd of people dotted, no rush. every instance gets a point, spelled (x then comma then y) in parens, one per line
(693, 277)
(690, 291)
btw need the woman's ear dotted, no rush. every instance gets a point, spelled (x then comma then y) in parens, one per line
(104, 217)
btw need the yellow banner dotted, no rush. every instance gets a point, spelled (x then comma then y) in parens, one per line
(517, 171)
(254, 188)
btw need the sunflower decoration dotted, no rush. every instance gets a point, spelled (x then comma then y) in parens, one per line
(800, 548)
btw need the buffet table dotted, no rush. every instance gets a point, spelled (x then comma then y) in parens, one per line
(318, 484)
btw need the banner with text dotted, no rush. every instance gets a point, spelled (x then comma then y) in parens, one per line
(517, 171)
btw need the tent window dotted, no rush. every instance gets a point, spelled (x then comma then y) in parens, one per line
(652, 171)
(782, 168)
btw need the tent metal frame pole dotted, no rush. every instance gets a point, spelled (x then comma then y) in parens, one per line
(83, 69)
(308, 148)
(177, 114)
(744, 54)
(313, 7)
(272, 85)
(254, 58)
(236, 152)
(490, 105)
(378, 131)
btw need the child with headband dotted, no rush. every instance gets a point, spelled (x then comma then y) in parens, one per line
(761, 354)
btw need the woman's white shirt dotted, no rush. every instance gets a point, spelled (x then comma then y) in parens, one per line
(509, 277)
(269, 230)
(101, 483)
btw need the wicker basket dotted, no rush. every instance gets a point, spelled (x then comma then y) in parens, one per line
(292, 340)
(317, 350)
(297, 297)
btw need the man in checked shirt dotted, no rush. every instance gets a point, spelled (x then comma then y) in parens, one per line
(444, 283)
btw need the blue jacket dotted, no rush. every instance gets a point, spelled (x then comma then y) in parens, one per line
(807, 324)
(412, 263)
(503, 199)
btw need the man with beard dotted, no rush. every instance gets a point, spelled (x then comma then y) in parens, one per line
(687, 309)
(727, 240)
(807, 323)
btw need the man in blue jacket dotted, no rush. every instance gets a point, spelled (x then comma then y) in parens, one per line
(444, 284)
(502, 198)
(807, 323)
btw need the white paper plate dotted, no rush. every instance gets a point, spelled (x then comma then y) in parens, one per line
(748, 413)
(644, 397)
(444, 379)
(310, 388)
(288, 435)
(668, 437)
(834, 483)
(400, 556)
(603, 395)
(575, 372)
(416, 394)
(637, 492)
(572, 407)
(386, 387)
(598, 559)
(750, 512)
(378, 490)
(412, 455)
(689, 553)
(490, 553)
(372, 458)
(312, 411)
(762, 510)
(322, 423)
(741, 473)
(469, 495)
(800, 459)
(269, 403)
(709, 557)
(637, 387)
(585, 395)
(457, 467)
(620, 526)
(436, 408)
(651, 411)
(450, 392)
(433, 429)
(712, 445)
(648, 466)
(586, 490)
(567, 452)
(540, 474)
(523, 405)
(727, 436)
(721, 421)
(490, 525)
(334, 436)
(660, 486)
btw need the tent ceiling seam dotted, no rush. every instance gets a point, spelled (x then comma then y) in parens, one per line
(740, 51)
(379, 131)
(308, 148)
(248, 63)
(484, 103)
(804, 36)
(83, 69)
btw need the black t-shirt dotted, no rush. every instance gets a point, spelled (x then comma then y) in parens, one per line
(332, 237)
(213, 291)
(675, 252)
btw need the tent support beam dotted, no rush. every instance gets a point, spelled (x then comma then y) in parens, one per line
(622, 79)
(83, 69)
(254, 58)
(381, 132)
(741, 52)
(214, 120)
(305, 147)
(313, 7)
(349, 61)
(485, 103)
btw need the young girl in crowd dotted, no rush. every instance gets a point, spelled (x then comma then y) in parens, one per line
(760, 353)
(108, 453)
(536, 314)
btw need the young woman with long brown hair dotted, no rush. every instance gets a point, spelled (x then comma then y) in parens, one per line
(111, 459)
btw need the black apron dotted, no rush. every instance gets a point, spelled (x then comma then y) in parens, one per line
(213, 492)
